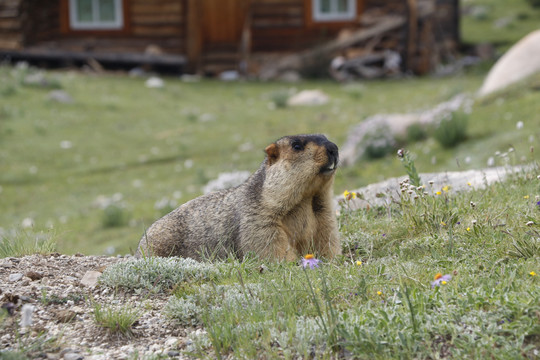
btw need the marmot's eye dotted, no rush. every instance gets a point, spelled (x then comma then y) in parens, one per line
(297, 145)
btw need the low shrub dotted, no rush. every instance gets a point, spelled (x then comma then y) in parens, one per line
(452, 130)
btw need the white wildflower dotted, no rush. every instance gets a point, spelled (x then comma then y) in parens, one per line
(27, 223)
(66, 144)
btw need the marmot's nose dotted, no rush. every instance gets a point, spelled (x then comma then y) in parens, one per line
(332, 151)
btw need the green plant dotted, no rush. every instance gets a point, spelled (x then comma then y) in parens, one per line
(379, 142)
(116, 320)
(416, 132)
(280, 98)
(30, 346)
(408, 163)
(452, 130)
(24, 242)
(114, 215)
(526, 246)
(160, 274)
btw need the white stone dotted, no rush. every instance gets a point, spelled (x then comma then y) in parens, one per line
(154, 83)
(170, 342)
(60, 96)
(90, 279)
(15, 277)
(309, 98)
(520, 61)
(73, 356)
(226, 180)
(27, 313)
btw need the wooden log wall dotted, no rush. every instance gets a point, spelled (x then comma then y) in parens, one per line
(42, 20)
(280, 25)
(447, 24)
(158, 23)
(11, 25)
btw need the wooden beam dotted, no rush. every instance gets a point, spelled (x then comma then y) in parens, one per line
(193, 36)
(412, 36)
(125, 58)
(325, 52)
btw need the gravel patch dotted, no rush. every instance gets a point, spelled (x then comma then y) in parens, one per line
(47, 294)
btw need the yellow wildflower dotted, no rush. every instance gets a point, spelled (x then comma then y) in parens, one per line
(532, 273)
(443, 282)
(443, 223)
(445, 188)
(469, 183)
(379, 293)
(346, 193)
(468, 229)
(526, 197)
(438, 193)
(358, 263)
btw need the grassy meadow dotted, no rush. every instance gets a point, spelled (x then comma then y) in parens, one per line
(99, 170)
(437, 274)
(434, 275)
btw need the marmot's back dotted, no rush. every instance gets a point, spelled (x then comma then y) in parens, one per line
(270, 214)
(192, 229)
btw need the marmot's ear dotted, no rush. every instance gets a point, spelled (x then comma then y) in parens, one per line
(272, 151)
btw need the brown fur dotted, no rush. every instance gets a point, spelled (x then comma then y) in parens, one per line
(283, 210)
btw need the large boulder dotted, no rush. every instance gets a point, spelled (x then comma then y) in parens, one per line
(522, 60)
(382, 130)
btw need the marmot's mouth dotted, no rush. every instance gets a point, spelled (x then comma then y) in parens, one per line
(329, 168)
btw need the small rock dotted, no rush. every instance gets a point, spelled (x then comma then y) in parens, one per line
(15, 277)
(308, 98)
(9, 307)
(27, 313)
(154, 83)
(173, 353)
(90, 279)
(170, 342)
(73, 356)
(65, 316)
(60, 96)
(14, 298)
(33, 275)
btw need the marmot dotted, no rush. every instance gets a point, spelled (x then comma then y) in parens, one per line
(281, 211)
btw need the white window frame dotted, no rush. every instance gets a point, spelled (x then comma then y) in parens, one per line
(334, 15)
(117, 23)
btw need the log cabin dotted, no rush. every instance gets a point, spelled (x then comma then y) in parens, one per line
(212, 35)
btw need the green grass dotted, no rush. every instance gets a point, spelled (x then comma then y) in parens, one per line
(116, 320)
(499, 22)
(21, 243)
(385, 307)
(94, 170)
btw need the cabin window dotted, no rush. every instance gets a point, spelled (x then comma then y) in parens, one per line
(334, 10)
(95, 14)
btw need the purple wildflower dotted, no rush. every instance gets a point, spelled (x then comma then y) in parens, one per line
(311, 261)
(441, 279)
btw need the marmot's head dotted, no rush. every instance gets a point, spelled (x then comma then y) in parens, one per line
(307, 159)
